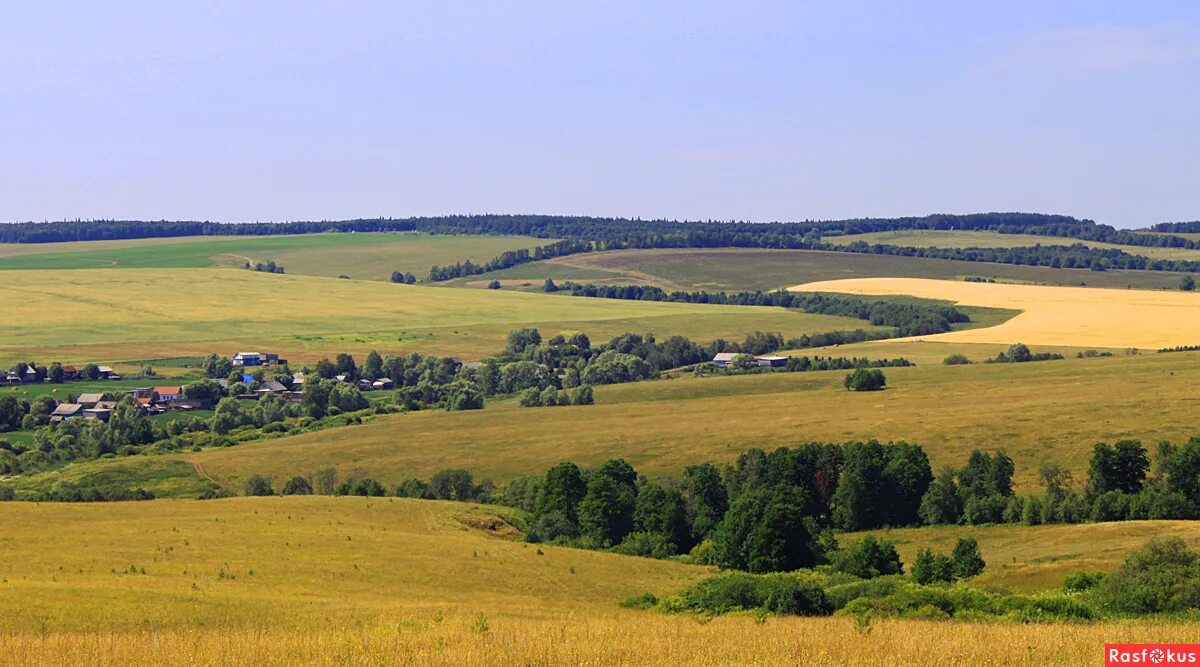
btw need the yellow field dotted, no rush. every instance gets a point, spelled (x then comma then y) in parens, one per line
(935, 238)
(119, 314)
(1072, 316)
(353, 581)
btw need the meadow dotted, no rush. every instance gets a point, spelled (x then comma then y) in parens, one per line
(143, 314)
(356, 581)
(936, 238)
(365, 256)
(1051, 315)
(1039, 413)
(737, 269)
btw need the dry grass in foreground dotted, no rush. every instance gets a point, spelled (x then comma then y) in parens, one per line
(620, 640)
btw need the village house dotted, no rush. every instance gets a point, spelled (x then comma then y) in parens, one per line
(382, 383)
(97, 413)
(89, 400)
(771, 362)
(70, 372)
(65, 411)
(247, 359)
(107, 373)
(271, 387)
(723, 359)
(30, 376)
(298, 379)
(168, 394)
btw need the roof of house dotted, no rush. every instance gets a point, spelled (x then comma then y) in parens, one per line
(105, 369)
(90, 398)
(142, 401)
(246, 354)
(168, 391)
(66, 409)
(271, 385)
(724, 356)
(70, 369)
(106, 405)
(771, 358)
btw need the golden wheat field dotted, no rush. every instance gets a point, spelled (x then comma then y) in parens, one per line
(1082, 317)
(355, 581)
(120, 314)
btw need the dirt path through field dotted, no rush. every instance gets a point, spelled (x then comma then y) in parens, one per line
(200, 471)
(1072, 316)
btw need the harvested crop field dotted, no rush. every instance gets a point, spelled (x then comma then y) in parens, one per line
(1069, 316)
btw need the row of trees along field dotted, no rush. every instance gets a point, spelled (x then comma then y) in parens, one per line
(909, 319)
(773, 511)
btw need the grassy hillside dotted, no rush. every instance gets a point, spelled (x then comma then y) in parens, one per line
(750, 269)
(1039, 412)
(337, 581)
(124, 314)
(1036, 558)
(1052, 315)
(663, 426)
(931, 238)
(360, 256)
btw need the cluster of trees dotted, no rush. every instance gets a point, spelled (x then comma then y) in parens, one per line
(909, 319)
(743, 364)
(449, 484)
(509, 259)
(766, 513)
(1020, 353)
(549, 397)
(269, 267)
(404, 278)
(70, 492)
(1181, 348)
(1119, 487)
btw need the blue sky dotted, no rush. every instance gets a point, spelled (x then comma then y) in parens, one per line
(749, 110)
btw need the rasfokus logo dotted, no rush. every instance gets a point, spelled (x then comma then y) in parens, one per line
(1151, 654)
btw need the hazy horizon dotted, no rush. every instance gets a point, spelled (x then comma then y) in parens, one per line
(764, 111)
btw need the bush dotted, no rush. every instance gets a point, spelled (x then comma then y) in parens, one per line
(778, 593)
(932, 568)
(258, 485)
(966, 560)
(863, 379)
(869, 558)
(1082, 581)
(1161, 577)
(956, 360)
(6, 494)
(643, 601)
(297, 486)
(650, 545)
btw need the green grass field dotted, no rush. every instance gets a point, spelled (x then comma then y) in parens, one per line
(360, 256)
(1038, 412)
(923, 238)
(734, 269)
(122, 314)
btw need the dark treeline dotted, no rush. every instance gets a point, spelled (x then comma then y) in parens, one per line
(1177, 227)
(909, 319)
(585, 234)
(620, 231)
(510, 258)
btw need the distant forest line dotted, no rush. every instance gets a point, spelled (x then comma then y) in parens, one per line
(586, 234)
